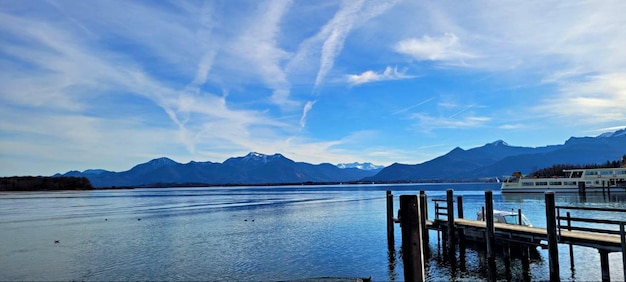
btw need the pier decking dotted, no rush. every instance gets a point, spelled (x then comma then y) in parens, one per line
(610, 243)
(560, 230)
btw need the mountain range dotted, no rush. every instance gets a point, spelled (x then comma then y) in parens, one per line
(253, 169)
(492, 160)
(499, 159)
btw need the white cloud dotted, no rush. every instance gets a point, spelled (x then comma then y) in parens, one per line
(513, 126)
(370, 76)
(599, 99)
(307, 107)
(426, 122)
(445, 48)
(68, 72)
(335, 32)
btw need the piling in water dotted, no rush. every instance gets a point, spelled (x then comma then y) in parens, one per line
(451, 228)
(390, 221)
(553, 248)
(412, 254)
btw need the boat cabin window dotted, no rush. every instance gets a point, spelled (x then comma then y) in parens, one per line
(591, 173)
(576, 174)
(606, 172)
(511, 219)
(570, 183)
(528, 183)
(514, 219)
(556, 183)
(620, 172)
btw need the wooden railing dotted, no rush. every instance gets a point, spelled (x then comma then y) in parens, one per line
(572, 223)
(440, 210)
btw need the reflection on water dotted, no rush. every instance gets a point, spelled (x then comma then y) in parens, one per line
(247, 233)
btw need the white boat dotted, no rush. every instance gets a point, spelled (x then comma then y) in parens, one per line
(575, 180)
(506, 217)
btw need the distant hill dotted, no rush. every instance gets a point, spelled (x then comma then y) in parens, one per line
(501, 159)
(252, 169)
(42, 183)
(495, 159)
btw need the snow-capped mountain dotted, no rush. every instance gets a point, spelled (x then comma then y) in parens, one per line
(617, 133)
(253, 168)
(363, 166)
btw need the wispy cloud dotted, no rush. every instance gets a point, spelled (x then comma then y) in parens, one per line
(370, 76)
(445, 48)
(307, 107)
(218, 78)
(69, 72)
(413, 106)
(334, 33)
(598, 99)
(513, 126)
(451, 115)
(257, 47)
(427, 123)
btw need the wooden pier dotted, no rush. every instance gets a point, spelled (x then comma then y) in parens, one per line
(560, 229)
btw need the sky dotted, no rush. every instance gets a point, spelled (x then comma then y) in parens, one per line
(108, 84)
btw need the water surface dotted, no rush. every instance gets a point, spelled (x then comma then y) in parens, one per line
(247, 233)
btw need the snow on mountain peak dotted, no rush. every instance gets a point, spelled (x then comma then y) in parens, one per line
(258, 157)
(498, 143)
(361, 166)
(617, 133)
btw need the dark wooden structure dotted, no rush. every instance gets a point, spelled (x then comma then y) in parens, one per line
(560, 229)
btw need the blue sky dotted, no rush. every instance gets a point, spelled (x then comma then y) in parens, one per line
(109, 84)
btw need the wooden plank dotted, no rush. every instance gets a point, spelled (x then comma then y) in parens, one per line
(590, 209)
(608, 242)
(591, 220)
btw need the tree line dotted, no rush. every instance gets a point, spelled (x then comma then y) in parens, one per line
(557, 170)
(44, 183)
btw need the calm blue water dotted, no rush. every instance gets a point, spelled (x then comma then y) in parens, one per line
(248, 233)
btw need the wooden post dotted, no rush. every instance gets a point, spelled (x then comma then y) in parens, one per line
(411, 239)
(422, 192)
(461, 232)
(571, 247)
(423, 219)
(519, 216)
(622, 235)
(525, 258)
(451, 228)
(490, 230)
(604, 265)
(581, 187)
(459, 206)
(622, 232)
(507, 260)
(553, 248)
(390, 222)
(484, 215)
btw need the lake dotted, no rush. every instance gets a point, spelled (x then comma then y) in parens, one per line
(251, 233)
